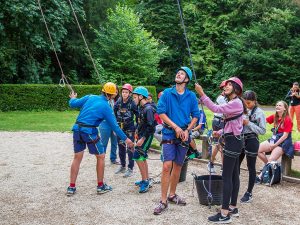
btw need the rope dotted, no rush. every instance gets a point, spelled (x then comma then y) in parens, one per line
(186, 39)
(63, 81)
(85, 42)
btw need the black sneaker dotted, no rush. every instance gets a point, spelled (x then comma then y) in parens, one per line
(218, 218)
(234, 212)
(247, 198)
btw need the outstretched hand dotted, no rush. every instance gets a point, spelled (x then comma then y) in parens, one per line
(199, 89)
(73, 94)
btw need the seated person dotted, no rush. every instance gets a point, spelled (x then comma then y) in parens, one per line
(281, 141)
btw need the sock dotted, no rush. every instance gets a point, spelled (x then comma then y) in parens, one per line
(100, 183)
(72, 185)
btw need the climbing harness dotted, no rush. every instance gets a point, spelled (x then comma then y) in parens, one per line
(63, 81)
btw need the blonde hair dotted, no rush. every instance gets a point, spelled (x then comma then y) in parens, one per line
(285, 113)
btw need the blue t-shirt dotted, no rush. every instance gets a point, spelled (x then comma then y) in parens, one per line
(93, 110)
(179, 108)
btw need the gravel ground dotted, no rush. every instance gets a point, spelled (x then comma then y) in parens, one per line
(34, 173)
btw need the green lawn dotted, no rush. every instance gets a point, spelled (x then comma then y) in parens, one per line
(63, 121)
(37, 121)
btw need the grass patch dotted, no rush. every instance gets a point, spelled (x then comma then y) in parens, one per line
(295, 173)
(37, 121)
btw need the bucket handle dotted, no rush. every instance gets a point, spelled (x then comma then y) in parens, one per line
(209, 195)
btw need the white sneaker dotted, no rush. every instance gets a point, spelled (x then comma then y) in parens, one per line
(121, 169)
(211, 167)
(128, 173)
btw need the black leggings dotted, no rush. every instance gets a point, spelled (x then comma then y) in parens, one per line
(251, 149)
(230, 175)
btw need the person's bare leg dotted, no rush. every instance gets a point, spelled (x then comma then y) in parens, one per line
(75, 166)
(165, 180)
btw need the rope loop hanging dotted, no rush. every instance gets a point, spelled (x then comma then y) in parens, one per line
(63, 81)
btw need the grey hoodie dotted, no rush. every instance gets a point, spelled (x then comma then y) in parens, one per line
(257, 122)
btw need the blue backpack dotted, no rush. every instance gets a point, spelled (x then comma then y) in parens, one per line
(271, 173)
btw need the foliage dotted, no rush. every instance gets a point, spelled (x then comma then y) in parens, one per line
(162, 18)
(26, 55)
(265, 54)
(125, 51)
(44, 97)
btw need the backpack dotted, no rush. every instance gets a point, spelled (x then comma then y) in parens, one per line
(271, 173)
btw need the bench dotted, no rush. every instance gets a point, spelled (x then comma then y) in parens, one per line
(286, 164)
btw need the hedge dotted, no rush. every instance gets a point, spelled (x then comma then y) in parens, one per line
(36, 97)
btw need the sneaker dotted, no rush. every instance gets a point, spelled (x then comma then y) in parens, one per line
(144, 186)
(103, 189)
(177, 200)
(71, 191)
(138, 183)
(128, 173)
(234, 212)
(247, 198)
(219, 218)
(121, 169)
(116, 162)
(162, 207)
(257, 180)
(211, 167)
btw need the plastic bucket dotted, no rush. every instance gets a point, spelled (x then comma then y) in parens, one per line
(202, 185)
(183, 171)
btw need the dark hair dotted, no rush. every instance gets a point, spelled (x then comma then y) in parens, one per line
(250, 95)
(237, 89)
(150, 95)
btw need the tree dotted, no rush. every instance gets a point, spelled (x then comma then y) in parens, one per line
(26, 54)
(125, 51)
(266, 55)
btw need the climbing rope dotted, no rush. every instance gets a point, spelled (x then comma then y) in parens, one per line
(186, 39)
(85, 42)
(63, 81)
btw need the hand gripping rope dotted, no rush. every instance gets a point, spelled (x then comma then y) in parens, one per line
(63, 81)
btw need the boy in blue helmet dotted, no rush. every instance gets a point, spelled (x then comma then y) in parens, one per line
(145, 130)
(93, 110)
(178, 108)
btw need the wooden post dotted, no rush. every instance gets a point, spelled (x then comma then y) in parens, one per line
(205, 145)
(286, 165)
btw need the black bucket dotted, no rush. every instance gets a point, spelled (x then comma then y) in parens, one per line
(183, 171)
(202, 185)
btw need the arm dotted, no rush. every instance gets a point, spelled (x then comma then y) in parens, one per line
(77, 102)
(259, 129)
(283, 137)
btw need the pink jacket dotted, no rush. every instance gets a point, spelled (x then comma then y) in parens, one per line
(230, 109)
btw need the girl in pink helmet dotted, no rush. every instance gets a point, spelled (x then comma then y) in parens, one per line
(233, 111)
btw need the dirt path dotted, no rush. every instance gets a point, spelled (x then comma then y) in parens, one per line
(34, 172)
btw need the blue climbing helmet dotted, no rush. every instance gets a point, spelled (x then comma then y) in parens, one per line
(188, 72)
(141, 91)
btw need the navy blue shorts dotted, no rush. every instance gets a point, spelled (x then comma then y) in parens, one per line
(92, 141)
(174, 152)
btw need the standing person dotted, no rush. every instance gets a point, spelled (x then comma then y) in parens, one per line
(159, 126)
(93, 110)
(254, 125)
(125, 109)
(145, 130)
(217, 124)
(107, 133)
(281, 141)
(175, 107)
(294, 97)
(233, 112)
